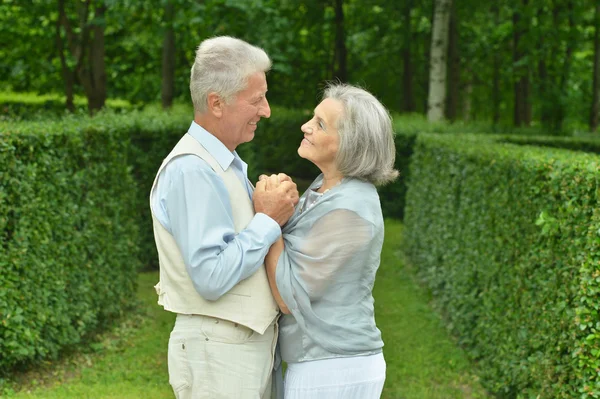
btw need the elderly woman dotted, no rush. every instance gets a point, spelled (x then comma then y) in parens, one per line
(323, 269)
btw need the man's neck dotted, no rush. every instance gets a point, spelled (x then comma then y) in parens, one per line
(212, 126)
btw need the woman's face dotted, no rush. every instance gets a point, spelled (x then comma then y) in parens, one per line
(321, 140)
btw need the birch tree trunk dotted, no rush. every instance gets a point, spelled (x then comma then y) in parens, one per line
(439, 50)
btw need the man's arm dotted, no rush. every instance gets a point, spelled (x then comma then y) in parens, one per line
(200, 219)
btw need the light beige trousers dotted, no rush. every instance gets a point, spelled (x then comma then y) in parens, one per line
(211, 358)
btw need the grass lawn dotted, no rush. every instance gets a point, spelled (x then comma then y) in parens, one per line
(131, 362)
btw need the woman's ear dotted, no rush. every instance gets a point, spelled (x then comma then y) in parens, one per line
(215, 104)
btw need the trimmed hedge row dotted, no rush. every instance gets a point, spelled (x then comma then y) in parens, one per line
(584, 144)
(27, 106)
(507, 237)
(68, 233)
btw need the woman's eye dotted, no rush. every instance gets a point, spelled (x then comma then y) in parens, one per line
(322, 125)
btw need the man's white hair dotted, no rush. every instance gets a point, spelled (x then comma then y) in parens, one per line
(223, 65)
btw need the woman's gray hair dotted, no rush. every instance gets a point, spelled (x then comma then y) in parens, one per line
(366, 148)
(223, 65)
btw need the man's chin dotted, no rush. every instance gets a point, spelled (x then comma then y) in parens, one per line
(249, 137)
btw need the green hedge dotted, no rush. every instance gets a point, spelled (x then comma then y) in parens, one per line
(585, 144)
(28, 106)
(507, 238)
(68, 233)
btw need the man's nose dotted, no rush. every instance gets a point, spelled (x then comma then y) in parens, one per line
(265, 110)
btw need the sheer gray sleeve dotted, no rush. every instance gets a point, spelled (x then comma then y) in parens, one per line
(333, 240)
(314, 260)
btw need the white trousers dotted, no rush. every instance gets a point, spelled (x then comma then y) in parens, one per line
(358, 377)
(211, 358)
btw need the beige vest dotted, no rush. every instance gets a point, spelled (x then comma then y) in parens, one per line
(250, 302)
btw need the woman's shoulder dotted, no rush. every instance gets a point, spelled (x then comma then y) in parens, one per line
(359, 190)
(361, 197)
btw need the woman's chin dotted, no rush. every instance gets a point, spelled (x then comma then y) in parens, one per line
(301, 152)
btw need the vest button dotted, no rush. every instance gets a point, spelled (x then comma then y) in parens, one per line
(206, 339)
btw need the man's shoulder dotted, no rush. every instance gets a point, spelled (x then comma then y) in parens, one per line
(187, 163)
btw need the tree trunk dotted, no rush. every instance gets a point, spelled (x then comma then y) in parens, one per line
(427, 46)
(408, 98)
(340, 71)
(168, 59)
(454, 67)
(93, 78)
(467, 100)
(68, 74)
(87, 48)
(543, 78)
(439, 51)
(522, 106)
(496, 71)
(595, 111)
(559, 116)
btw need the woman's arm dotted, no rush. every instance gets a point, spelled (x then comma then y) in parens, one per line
(271, 261)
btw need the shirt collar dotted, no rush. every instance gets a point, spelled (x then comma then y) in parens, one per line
(214, 146)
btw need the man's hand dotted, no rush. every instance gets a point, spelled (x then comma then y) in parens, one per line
(276, 196)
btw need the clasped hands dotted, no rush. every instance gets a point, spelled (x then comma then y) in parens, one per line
(276, 196)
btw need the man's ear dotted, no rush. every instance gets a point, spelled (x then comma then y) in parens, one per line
(215, 104)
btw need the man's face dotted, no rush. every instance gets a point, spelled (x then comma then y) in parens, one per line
(242, 115)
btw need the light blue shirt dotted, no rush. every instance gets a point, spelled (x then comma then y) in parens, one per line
(190, 201)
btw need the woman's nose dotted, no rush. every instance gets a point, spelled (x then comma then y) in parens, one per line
(306, 128)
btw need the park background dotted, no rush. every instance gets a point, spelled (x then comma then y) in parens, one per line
(490, 277)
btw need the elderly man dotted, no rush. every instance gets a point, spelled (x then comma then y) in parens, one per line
(213, 230)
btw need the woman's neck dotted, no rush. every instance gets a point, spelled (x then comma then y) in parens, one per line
(329, 181)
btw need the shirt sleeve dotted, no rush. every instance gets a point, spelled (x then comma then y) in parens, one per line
(199, 217)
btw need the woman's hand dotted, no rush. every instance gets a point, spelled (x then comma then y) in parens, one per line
(274, 180)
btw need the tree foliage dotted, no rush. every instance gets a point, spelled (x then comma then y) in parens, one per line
(513, 62)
